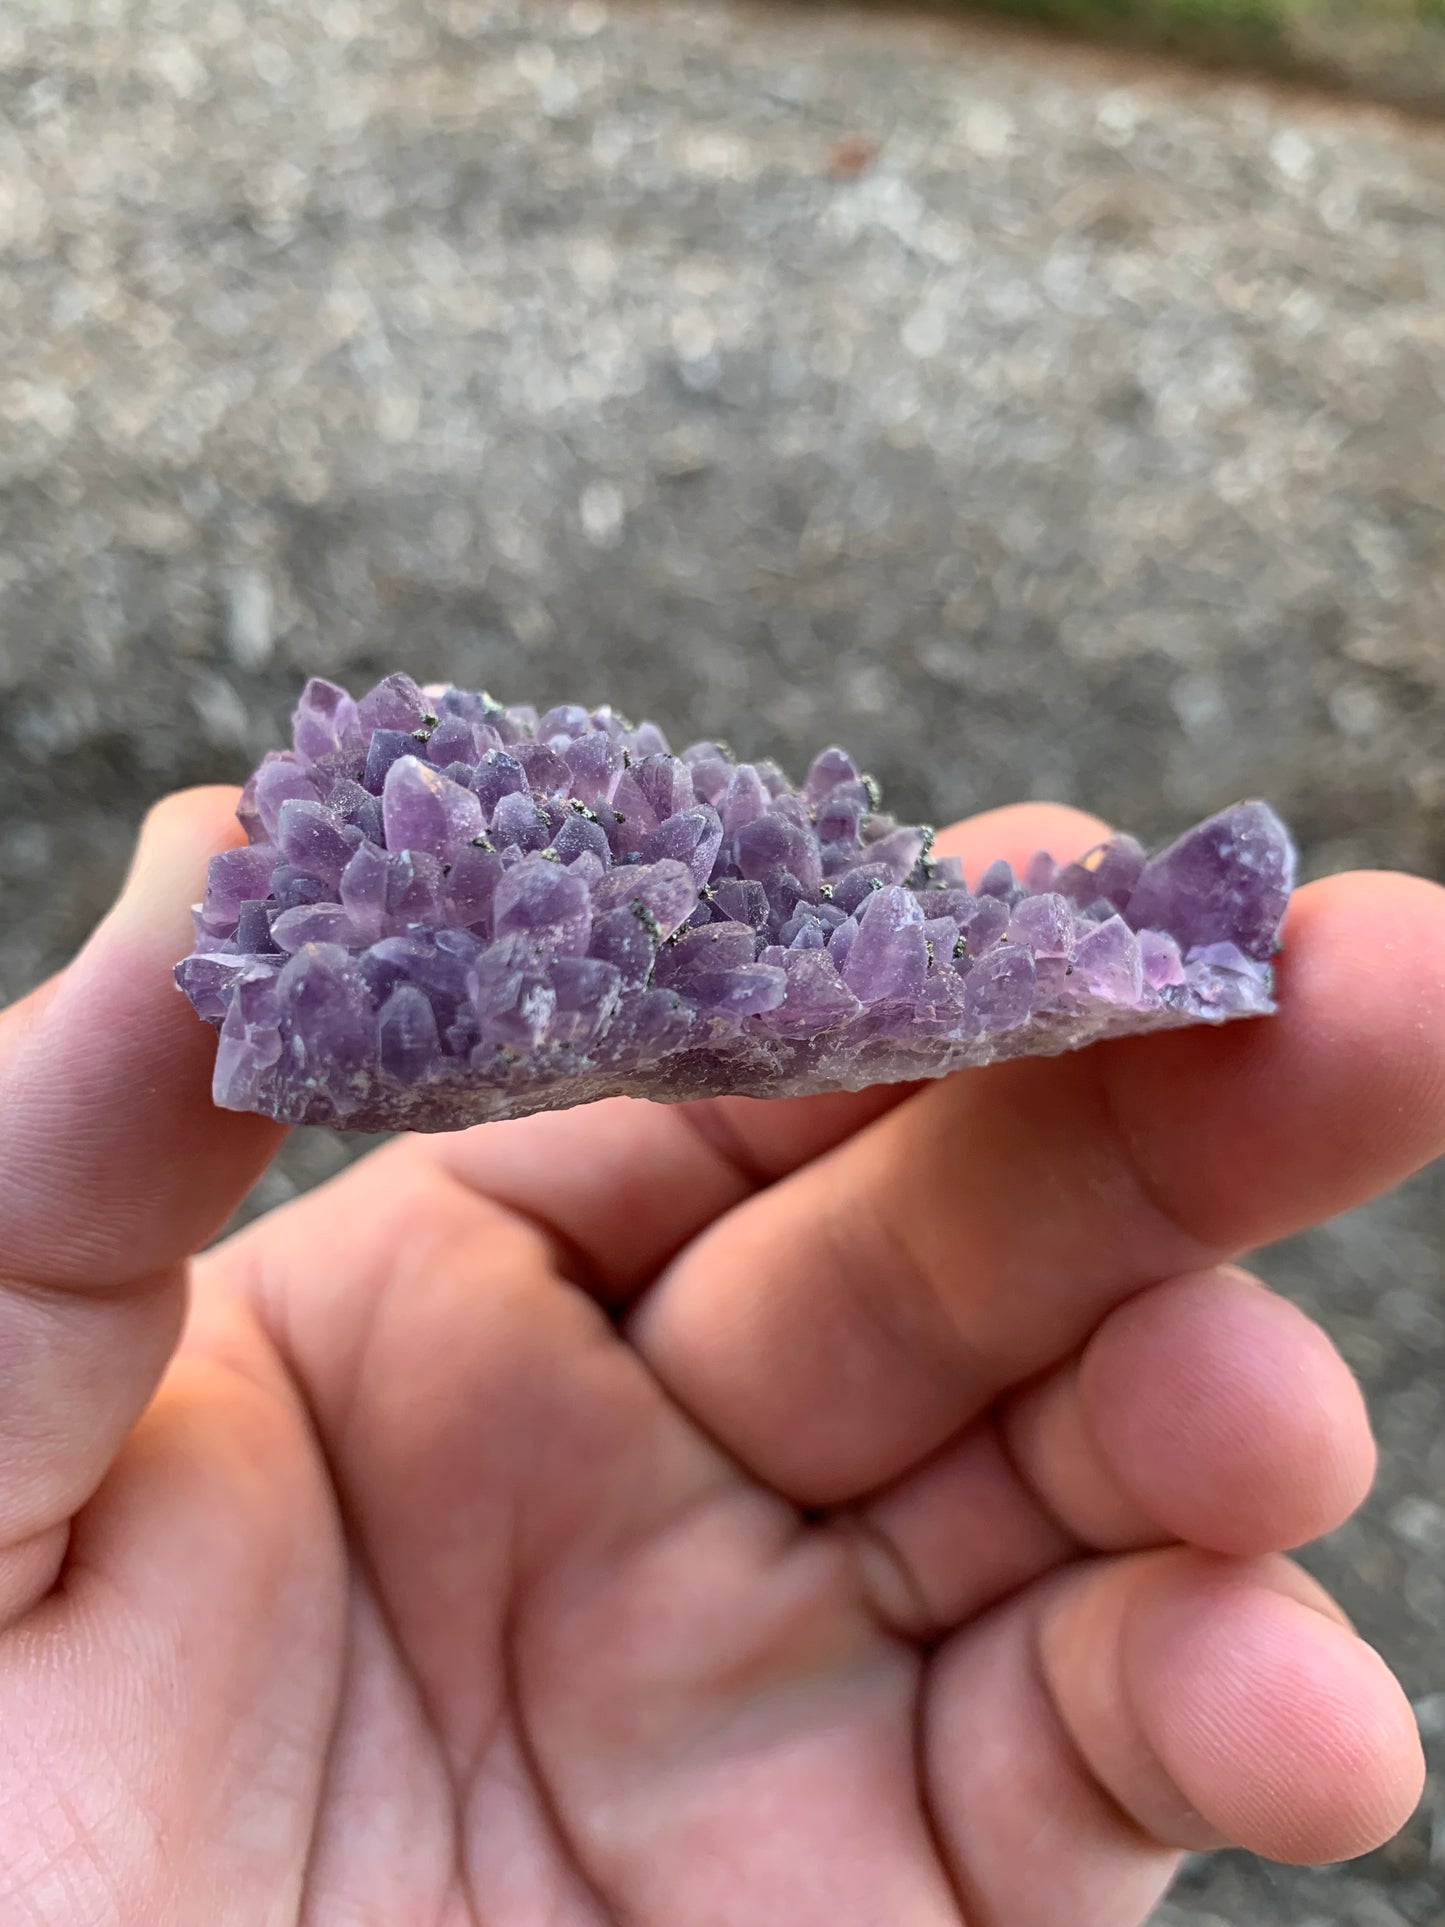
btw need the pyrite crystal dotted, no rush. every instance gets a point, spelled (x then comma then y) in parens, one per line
(450, 909)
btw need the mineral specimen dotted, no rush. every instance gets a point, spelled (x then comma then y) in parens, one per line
(450, 909)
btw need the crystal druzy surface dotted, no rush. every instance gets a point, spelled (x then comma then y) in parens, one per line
(449, 909)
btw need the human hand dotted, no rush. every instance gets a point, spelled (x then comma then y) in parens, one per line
(857, 1511)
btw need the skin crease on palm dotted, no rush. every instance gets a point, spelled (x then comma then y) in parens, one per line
(858, 1511)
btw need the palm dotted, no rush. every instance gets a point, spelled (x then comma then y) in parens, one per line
(584, 1665)
(760, 1515)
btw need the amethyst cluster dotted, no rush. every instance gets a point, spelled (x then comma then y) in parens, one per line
(449, 909)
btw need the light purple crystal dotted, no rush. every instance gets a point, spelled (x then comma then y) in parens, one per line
(1109, 961)
(1159, 957)
(999, 990)
(1045, 924)
(325, 720)
(313, 839)
(395, 703)
(888, 960)
(424, 810)
(451, 910)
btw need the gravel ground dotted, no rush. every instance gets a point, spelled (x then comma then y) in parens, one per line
(1035, 423)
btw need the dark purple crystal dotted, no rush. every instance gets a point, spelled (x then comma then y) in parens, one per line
(450, 910)
(1227, 881)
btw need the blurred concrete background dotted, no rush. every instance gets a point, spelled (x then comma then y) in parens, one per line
(1034, 423)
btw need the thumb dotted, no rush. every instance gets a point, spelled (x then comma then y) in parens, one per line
(114, 1166)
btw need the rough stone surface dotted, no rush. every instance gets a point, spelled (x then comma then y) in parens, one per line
(1077, 416)
(451, 909)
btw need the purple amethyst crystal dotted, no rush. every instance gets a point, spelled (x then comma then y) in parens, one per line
(450, 910)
